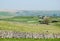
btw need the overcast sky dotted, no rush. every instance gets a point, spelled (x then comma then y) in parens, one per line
(30, 4)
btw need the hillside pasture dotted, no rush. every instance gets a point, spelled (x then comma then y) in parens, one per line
(28, 27)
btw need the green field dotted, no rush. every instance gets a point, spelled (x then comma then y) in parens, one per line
(17, 39)
(28, 27)
(28, 24)
(22, 19)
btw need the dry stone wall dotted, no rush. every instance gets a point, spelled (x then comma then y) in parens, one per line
(13, 34)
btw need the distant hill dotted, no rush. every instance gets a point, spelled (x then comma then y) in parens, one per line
(37, 13)
(4, 14)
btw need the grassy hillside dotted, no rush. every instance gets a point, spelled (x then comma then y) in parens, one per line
(28, 24)
(28, 27)
(22, 19)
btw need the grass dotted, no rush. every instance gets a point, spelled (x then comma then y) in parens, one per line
(28, 24)
(22, 19)
(28, 27)
(23, 39)
(57, 24)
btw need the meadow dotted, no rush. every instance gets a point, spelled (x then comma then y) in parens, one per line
(28, 24)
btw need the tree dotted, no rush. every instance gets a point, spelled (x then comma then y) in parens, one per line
(46, 20)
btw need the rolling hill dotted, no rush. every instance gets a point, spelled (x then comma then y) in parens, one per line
(7, 14)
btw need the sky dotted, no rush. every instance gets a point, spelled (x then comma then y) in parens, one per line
(30, 4)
